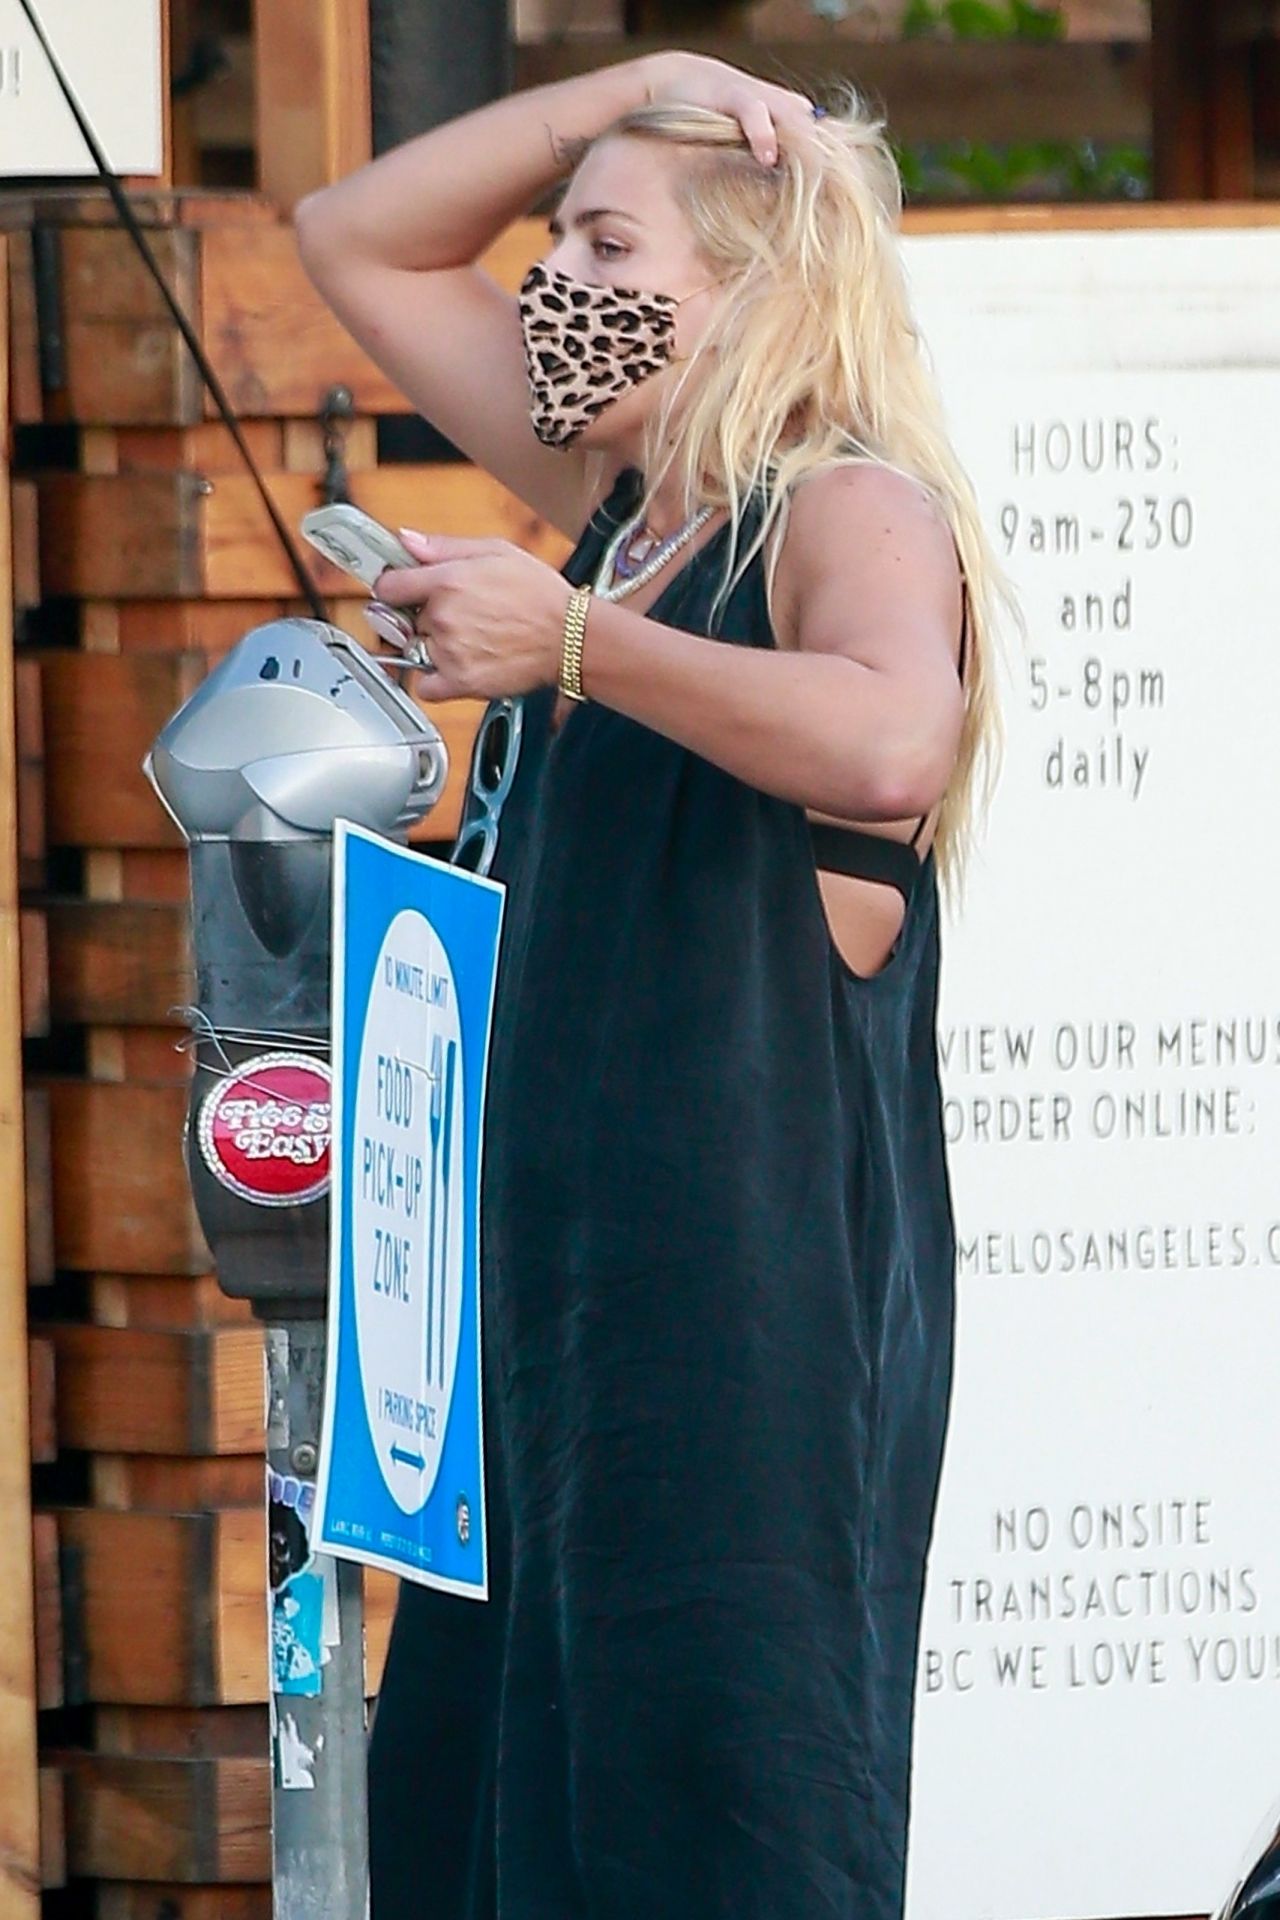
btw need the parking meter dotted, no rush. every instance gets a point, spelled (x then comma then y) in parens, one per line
(297, 728)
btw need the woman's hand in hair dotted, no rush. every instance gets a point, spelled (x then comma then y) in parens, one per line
(768, 114)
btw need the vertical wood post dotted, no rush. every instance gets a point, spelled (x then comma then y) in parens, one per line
(166, 94)
(1230, 137)
(183, 157)
(1202, 103)
(312, 111)
(19, 1814)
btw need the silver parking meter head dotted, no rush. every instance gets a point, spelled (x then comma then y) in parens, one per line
(297, 728)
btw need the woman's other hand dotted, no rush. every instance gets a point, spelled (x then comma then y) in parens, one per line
(492, 616)
(766, 113)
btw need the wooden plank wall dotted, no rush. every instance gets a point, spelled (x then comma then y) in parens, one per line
(22, 1372)
(144, 554)
(1095, 83)
(138, 559)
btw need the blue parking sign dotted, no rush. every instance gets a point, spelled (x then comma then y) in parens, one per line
(401, 1472)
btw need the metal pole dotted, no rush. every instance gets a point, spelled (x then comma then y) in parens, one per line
(319, 1826)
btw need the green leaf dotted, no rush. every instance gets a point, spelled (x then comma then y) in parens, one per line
(1043, 170)
(976, 20)
(919, 19)
(1032, 22)
(911, 169)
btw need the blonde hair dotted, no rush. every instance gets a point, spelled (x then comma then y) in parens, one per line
(814, 362)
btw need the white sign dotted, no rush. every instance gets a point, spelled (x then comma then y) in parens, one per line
(110, 53)
(1099, 1687)
(406, 1202)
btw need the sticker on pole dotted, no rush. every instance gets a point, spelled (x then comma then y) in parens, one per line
(263, 1129)
(401, 1469)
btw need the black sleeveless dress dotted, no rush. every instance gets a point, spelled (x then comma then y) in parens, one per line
(718, 1316)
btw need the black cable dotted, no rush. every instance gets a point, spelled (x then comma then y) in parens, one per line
(120, 200)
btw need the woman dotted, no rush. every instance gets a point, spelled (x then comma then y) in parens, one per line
(717, 1224)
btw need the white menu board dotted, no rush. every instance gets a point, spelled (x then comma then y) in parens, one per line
(110, 53)
(1098, 1701)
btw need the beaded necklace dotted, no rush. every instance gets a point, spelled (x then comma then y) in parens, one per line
(608, 586)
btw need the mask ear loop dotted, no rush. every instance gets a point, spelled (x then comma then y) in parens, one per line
(683, 359)
(686, 360)
(710, 287)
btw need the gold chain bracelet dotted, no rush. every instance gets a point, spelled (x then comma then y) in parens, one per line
(575, 627)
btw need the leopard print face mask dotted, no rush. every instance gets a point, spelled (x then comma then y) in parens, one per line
(585, 346)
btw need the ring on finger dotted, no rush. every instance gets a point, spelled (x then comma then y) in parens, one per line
(416, 650)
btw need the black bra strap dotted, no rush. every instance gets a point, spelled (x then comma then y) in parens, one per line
(866, 856)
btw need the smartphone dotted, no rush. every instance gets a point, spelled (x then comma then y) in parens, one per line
(353, 540)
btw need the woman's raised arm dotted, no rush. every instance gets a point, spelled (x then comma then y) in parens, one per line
(393, 249)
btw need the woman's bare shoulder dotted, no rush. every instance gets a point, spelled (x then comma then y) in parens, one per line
(862, 542)
(846, 523)
(857, 495)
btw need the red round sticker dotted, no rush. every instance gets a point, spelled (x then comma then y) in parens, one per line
(264, 1130)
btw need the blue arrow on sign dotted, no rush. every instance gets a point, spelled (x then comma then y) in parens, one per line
(408, 1459)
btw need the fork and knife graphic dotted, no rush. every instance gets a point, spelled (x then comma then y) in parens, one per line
(440, 1129)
